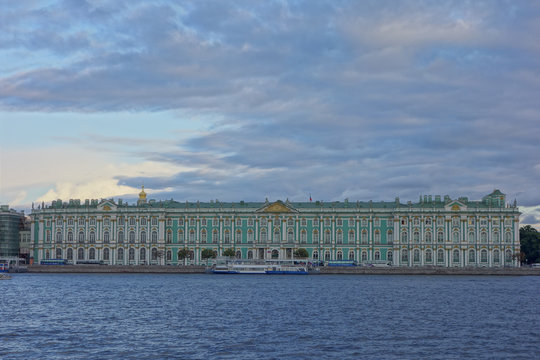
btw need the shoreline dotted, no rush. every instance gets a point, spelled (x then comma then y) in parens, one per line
(327, 270)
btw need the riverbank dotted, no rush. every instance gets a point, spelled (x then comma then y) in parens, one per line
(353, 270)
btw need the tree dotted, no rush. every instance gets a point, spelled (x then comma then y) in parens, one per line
(301, 253)
(229, 252)
(183, 254)
(529, 238)
(208, 254)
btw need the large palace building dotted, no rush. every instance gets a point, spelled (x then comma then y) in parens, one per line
(434, 231)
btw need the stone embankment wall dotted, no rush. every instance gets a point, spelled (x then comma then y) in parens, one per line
(353, 270)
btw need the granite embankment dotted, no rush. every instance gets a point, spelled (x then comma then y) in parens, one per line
(355, 270)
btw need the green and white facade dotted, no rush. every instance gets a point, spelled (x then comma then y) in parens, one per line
(434, 231)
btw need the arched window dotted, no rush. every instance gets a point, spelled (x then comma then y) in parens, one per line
(483, 255)
(327, 237)
(106, 237)
(92, 254)
(416, 255)
(327, 255)
(58, 237)
(238, 254)
(181, 235)
(377, 237)
(429, 256)
(238, 237)
(377, 255)
(455, 256)
(416, 237)
(290, 235)
(70, 254)
(339, 255)
(81, 237)
(106, 254)
(120, 237)
(47, 255)
(169, 237)
(315, 254)
(70, 236)
(508, 237)
(496, 237)
(143, 221)
(364, 256)
(455, 237)
(472, 237)
(264, 236)
(403, 236)
(275, 254)
(48, 236)
(169, 255)
(250, 254)
(250, 236)
(428, 221)
(227, 239)
(143, 237)
(142, 255)
(390, 236)
(276, 235)
(351, 255)
(80, 254)
(203, 236)
(131, 254)
(132, 237)
(472, 256)
(303, 236)
(440, 237)
(405, 256)
(364, 237)
(120, 255)
(92, 237)
(154, 236)
(390, 255)
(496, 256)
(315, 236)
(507, 256)
(339, 237)
(351, 236)
(58, 253)
(483, 237)
(428, 237)
(440, 256)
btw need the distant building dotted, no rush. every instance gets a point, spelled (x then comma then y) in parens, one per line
(434, 231)
(25, 245)
(10, 226)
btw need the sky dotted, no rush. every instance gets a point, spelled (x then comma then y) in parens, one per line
(248, 100)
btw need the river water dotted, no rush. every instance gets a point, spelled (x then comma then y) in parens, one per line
(181, 316)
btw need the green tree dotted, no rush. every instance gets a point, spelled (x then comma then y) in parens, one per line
(229, 252)
(529, 238)
(183, 254)
(208, 254)
(301, 253)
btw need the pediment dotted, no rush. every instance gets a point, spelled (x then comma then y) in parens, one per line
(277, 207)
(106, 205)
(455, 206)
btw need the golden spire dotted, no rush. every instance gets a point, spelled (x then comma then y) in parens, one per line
(142, 194)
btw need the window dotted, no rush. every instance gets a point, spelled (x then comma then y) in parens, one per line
(120, 254)
(339, 237)
(58, 253)
(181, 222)
(508, 237)
(92, 221)
(215, 237)
(131, 221)
(440, 221)
(339, 222)
(483, 221)
(250, 236)
(191, 237)
(131, 254)
(416, 237)
(81, 236)
(327, 237)
(440, 237)
(315, 236)
(496, 256)
(351, 255)
(290, 236)
(496, 237)
(154, 237)
(70, 236)
(416, 255)
(472, 237)
(377, 255)
(455, 256)
(92, 237)
(428, 221)
(238, 254)
(483, 237)
(70, 221)
(48, 222)
(455, 237)
(276, 236)
(404, 237)
(363, 222)
(121, 221)
(455, 221)
(416, 221)
(169, 237)
(390, 222)
(404, 221)
(181, 235)
(191, 222)
(326, 222)
(351, 236)
(80, 254)
(203, 222)
(215, 221)
(303, 222)
(377, 222)
(250, 254)
(143, 237)
(316, 222)
(472, 256)
(290, 222)
(364, 256)
(315, 254)
(250, 221)
(327, 255)
(169, 222)
(143, 221)
(227, 222)
(507, 256)
(120, 237)
(390, 236)
(440, 256)
(377, 237)
(227, 239)
(106, 254)
(238, 222)
(428, 237)
(169, 255)
(132, 237)
(472, 221)
(47, 255)
(483, 256)
(154, 221)
(264, 236)
(405, 256)
(303, 237)
(142, 255)
(429, 256)
(507, 221)
(364, 237)
(106, 237)
(58, 238)
(238, 237)
(203, 236)
(264, 221)
(92, 254)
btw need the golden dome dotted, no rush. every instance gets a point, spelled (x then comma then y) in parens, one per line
(142, 194)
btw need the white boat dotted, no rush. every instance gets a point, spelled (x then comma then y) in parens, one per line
(275, 267)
